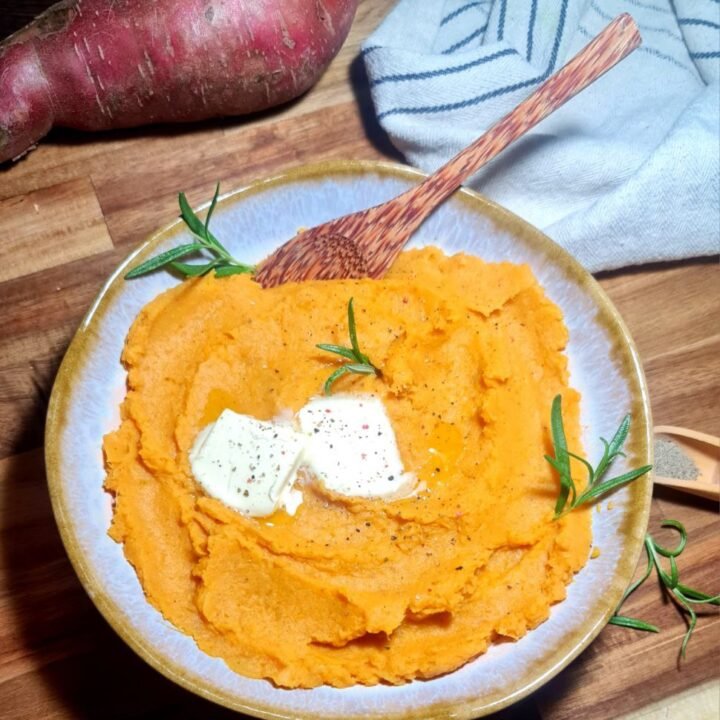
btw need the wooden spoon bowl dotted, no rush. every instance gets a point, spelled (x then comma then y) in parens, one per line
(704, 451)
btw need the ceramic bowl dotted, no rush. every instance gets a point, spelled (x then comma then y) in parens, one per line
(252, 221)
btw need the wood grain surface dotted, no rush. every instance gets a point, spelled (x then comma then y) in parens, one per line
(78, 204)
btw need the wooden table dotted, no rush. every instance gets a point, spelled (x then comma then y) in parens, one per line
(73, 209)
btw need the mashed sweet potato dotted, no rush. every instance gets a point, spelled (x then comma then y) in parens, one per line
(351, 590)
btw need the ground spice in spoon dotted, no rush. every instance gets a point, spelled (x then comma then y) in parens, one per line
(672, 462)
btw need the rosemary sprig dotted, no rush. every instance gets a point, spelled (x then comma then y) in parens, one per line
(569, 498)
(685, 597)
(359, 362)
(205, 244)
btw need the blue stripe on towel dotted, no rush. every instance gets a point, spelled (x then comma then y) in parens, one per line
(704, 55)
(466, 40)
(422, 110)
(556, 44)
(501, 21)
(444, 71)
(698, 21)
(460, 11)
(657, 8)
(663, 31)
(663, 56)
(426, 109)
(531, 28)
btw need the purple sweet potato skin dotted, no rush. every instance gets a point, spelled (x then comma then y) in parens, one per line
(102, 64)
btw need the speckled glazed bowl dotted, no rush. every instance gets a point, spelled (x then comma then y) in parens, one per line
(253, 221)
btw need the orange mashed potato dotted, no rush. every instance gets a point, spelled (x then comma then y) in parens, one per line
(354, 590)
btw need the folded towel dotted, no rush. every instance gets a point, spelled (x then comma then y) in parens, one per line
(627, 172)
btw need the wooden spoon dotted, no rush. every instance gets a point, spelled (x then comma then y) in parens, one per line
(366, 243)
(704, 451)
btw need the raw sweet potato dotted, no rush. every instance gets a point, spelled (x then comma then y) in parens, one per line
(100, 64)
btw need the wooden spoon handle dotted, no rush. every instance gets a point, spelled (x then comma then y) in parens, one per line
(614, 43)
(701, 489)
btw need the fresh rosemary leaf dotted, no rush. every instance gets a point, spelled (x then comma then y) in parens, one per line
(197, 227)
(338, 350)
(599, 489)
(614, 447)
(222, 261)
(695, 596)
(566, 488)
(558, 433)
(561, 460)
(211, 209)
(681, 544)
(194, 270)
(692, 622)
(190, 218)
(226, 270)
(360, 364)
(635, 585)
(208, 235)
(633, 623)
(163, 259)
(588, 467)
(557, 466)
(620, 436)
(361, 369)
(342, 370)
(353, 330)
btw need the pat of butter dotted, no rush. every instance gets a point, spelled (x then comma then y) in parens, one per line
(248, 464)
(352, 448)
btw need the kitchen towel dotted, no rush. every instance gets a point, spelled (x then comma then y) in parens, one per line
(627, 172)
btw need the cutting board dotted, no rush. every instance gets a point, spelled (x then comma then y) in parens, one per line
(76, 206)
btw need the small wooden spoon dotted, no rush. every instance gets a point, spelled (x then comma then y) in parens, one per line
(704, 451)
(365, 243)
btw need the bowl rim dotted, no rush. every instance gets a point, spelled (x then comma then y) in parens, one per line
(634, 527)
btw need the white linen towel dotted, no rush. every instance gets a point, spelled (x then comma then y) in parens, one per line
(627, 172)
